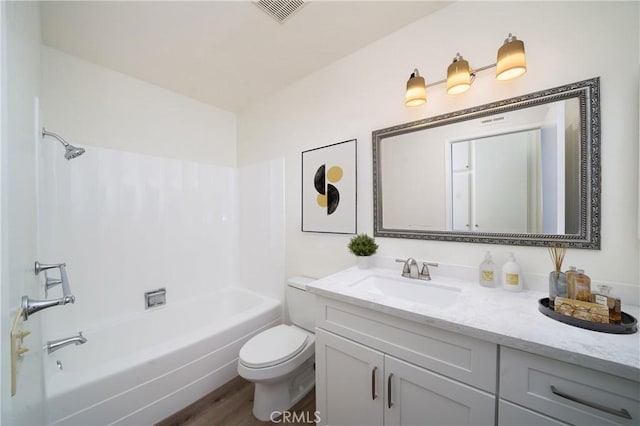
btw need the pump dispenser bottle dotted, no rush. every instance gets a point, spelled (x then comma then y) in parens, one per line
(487, 276)
(511, 275)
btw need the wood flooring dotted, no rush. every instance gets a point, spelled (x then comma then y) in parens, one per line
(231, 405)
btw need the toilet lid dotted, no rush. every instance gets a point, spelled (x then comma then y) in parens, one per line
(273, 346)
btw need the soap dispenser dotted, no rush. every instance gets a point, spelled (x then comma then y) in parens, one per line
(511, 276)
(487, 276)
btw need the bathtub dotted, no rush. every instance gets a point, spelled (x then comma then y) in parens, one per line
(147, 366)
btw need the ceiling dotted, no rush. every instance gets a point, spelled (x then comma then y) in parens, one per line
(228, 54)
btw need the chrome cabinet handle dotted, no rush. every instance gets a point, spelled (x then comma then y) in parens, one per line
(389, 403)
(374, 395)
(620, 413)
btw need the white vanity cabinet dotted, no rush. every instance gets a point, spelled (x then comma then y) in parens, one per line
(566, 393)
(388, 356)
(376, 369)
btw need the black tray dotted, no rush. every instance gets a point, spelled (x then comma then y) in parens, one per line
(629, 324)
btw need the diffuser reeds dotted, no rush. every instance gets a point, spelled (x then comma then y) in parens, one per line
(557, 257)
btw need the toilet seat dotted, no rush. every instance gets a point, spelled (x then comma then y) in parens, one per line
(273, 346)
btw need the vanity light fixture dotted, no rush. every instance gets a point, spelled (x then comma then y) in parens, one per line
(511, 59)
(511, 63)
(459, 76)
(416, 93)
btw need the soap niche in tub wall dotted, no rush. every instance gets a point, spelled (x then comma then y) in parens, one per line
(155, 298)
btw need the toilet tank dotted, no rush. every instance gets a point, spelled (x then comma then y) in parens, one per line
(300, 303)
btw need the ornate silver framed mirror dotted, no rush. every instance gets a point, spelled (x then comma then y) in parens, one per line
(521, 171)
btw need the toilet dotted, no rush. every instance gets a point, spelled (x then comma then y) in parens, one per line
(280, 360)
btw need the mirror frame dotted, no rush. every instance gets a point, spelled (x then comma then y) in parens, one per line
(588, 93)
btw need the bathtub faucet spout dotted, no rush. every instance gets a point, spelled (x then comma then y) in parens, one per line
(54, 345)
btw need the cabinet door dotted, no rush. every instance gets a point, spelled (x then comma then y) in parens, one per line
(415, 396)
(348, 381)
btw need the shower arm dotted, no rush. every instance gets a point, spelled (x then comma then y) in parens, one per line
(55, 135)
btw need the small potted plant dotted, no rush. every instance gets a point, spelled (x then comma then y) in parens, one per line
(363, 246)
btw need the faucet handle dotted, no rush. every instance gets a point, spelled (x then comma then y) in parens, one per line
(405, 267)
(424, 272)
(39, 267)
(408, 263)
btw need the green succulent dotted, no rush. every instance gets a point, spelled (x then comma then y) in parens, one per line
(362, 245)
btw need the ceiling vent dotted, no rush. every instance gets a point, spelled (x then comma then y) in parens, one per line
(280, 10)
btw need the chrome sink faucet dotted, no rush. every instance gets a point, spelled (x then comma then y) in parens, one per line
(410, 269)
(54, 345)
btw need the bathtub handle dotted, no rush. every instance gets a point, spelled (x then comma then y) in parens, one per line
(31, 306)
(374, 395)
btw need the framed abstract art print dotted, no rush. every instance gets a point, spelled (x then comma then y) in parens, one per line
(329, 182)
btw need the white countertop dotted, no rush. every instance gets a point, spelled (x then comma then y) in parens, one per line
(498, 316)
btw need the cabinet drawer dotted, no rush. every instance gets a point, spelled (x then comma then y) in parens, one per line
(513, 415)
(462, 358)
(568, 392)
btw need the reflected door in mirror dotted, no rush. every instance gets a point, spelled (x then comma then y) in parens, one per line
(496, 183)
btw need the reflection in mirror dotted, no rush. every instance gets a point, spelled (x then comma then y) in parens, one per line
(522, 171)
(496, 184)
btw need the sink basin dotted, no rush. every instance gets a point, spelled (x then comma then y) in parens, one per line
(405, 289)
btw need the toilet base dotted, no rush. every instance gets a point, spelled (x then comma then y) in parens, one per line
(272, 398)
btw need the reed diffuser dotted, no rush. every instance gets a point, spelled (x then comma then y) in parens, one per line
(557, 278)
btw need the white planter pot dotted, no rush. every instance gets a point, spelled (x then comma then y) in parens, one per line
(363, 262)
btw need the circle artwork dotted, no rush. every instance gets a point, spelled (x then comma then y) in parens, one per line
(328, 194)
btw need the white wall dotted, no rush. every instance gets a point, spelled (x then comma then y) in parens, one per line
(90, 105)
(19, 50)
(565, 42)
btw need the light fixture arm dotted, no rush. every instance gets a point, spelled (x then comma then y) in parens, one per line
(473, 75)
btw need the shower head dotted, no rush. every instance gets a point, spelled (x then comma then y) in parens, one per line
(71, 151)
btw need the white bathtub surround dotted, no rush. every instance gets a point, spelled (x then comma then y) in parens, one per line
(496, 316)
(143, 368)
(128, 223)
(261, 232)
